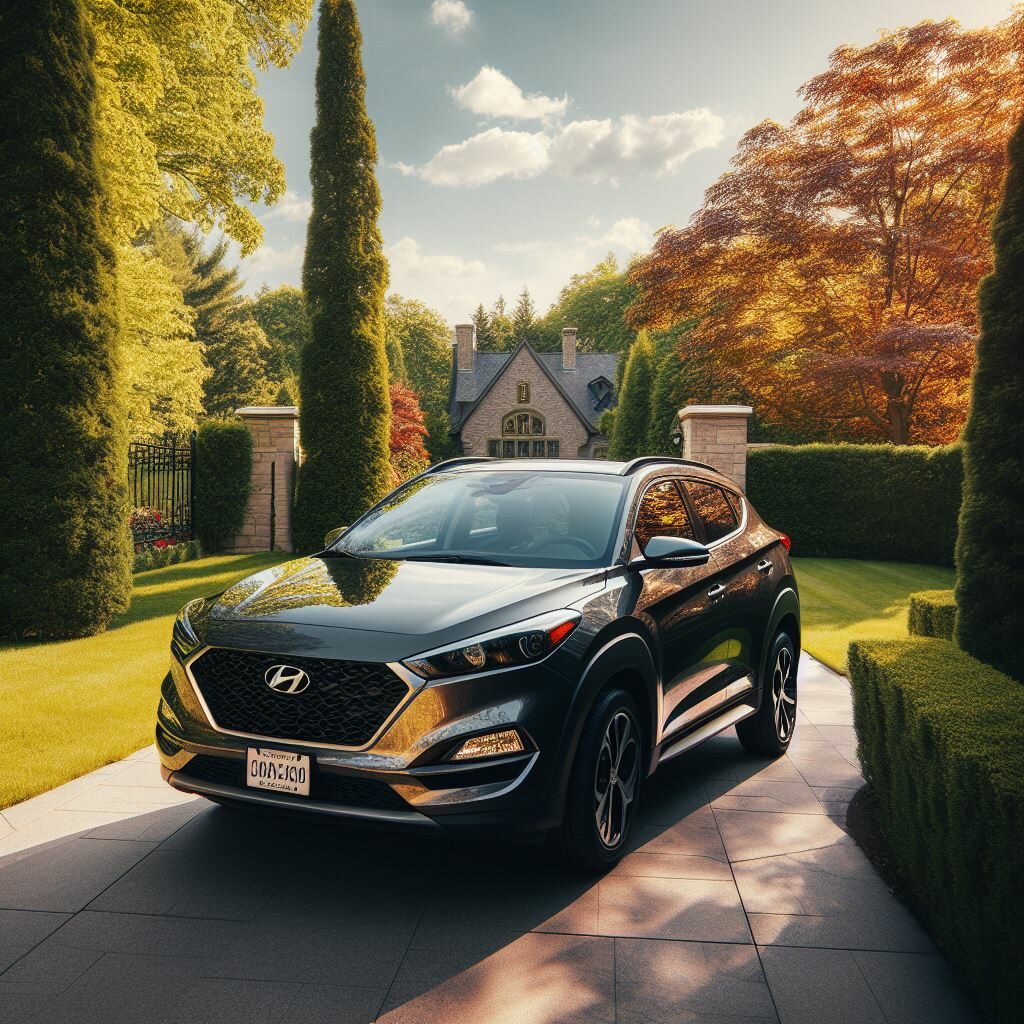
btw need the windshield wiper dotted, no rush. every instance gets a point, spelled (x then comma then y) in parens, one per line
(462, 559)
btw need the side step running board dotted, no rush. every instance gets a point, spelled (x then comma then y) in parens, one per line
(706, 731)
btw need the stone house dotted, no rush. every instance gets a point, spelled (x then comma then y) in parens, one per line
(528, 404)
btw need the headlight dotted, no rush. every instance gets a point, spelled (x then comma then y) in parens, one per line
(520, 644)
(183, 637)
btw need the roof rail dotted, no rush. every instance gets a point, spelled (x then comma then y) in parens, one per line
(462, 460)
(657, 460)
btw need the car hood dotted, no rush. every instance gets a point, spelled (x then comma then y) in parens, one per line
(396, 597)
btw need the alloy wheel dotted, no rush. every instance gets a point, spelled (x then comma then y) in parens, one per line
(616, 779)
(784, 694)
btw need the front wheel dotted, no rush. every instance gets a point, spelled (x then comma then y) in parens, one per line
(770, 730)
(604, 789)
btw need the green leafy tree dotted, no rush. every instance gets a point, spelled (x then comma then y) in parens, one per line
(66, 569)
(237, 353)
(425, 341)
(524, 318)
(482, 323)
(282, 315)
(345, 408)
(595, 303)
(396, 357)
(501, 336)
(633, 413)
(990, 546)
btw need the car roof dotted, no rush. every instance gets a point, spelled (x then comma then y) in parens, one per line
(605, 467)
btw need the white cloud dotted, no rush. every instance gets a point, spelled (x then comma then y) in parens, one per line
(596, 151)
(267, 257)
(493, 94)
(451, 15)
(628, 235)
(290, 206)
(408, 259)
(485, 157)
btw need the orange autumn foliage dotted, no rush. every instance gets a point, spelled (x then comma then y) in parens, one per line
(408, 429)
(834, 268)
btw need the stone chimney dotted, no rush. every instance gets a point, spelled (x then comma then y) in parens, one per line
(568, 348)
(465, 341)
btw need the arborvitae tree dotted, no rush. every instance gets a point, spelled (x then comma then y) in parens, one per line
(524, 317)
(66, 569)
(482, 323)
(345, 411)
(633, 413)
(990, 546)
(667, 398)
(396, 356)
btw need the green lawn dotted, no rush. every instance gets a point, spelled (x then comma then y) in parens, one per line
(842, 600)
(73, 706)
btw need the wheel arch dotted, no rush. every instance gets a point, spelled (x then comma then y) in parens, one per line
(785, 614)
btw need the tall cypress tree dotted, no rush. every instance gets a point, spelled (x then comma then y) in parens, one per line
(990, 546)
(66, 568)
(633, 413)
(345, 409)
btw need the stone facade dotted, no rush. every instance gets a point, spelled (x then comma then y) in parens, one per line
(268, 517)
(717, 436)
(561, 422)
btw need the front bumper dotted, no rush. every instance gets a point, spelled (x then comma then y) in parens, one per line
(402, 779)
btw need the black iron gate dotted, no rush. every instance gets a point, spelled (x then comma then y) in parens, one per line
(161, 475)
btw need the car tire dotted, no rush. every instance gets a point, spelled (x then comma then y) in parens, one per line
(604, 788)
(770, 730)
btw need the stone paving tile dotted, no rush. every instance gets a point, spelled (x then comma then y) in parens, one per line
(911, 987)
(20, 930)
(327, 1004)
(144, 934)
(66, 876)
(815, 986)
(750, 835)
(667, 982)
(48, 969)
(153, 826)
(671, 908)
(57, 825)
(114, 799)
(759, 794)
(565, 978)
(5, 826)
(21, 1007)
(696, 835)
(651, 864)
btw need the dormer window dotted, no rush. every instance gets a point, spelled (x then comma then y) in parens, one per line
(601, 388)
(523, 393)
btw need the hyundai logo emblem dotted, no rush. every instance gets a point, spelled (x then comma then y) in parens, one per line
(286, 679)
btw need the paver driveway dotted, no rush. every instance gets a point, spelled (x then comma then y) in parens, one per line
(742, 901)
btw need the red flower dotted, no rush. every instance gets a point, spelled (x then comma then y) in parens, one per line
(156, 516)
(159, 543)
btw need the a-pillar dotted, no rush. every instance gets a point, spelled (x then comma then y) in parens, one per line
(275, 456)
(717, 435)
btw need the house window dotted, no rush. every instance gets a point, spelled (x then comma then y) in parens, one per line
(522, 449)
(509, 449)
(537, 425)
(523, 392)
(494, 449)
(510, 425)
(523, 423)
(601, 452)
(538, 449)
(552, 449)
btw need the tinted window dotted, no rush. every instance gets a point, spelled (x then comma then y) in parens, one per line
(515, 518)
(662, 513)
(711, 505)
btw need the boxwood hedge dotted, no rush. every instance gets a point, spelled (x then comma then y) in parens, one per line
(932, 613)
(223, 480)
(940, 737)
(897, 503)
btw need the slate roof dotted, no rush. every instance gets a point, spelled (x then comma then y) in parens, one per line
(469, 386)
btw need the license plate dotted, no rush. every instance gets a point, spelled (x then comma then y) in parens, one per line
(279, 770)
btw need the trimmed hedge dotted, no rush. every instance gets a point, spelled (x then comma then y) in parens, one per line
(223, 480)
(895, 503)
(940, 737)
(151, 557)
(932, 613)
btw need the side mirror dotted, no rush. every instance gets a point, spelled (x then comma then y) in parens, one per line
(672, 551)
(332, 535)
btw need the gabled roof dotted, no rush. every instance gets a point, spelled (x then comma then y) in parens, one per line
(470, 386)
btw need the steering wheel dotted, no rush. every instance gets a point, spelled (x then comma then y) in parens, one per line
(585, 546)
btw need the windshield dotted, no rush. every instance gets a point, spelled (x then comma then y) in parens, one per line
(512, 518)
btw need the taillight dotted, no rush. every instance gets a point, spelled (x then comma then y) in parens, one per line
(786, 542)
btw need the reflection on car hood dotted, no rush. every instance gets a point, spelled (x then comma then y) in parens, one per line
(395, 596)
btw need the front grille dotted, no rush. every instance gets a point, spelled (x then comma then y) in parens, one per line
(346, 703)
(328, 787)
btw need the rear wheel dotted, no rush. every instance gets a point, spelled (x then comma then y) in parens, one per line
(770, 730)
(604, 789)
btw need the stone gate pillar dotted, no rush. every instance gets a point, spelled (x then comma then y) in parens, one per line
(717, 435)
(275, 456)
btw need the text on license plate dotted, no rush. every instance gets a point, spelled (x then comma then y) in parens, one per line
(278, 770)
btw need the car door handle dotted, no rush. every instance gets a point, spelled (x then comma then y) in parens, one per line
(765, 566)
(716, 591)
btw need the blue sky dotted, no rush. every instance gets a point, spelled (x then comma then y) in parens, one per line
(520, 140)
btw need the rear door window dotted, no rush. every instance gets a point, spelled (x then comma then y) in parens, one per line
(713, 508)
(662, 513)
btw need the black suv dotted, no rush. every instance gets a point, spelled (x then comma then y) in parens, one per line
(507, 645)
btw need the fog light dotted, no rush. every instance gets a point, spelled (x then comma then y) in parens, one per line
(494, 744)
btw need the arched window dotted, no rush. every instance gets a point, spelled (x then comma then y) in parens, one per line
(523, 392)
(523, 424)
